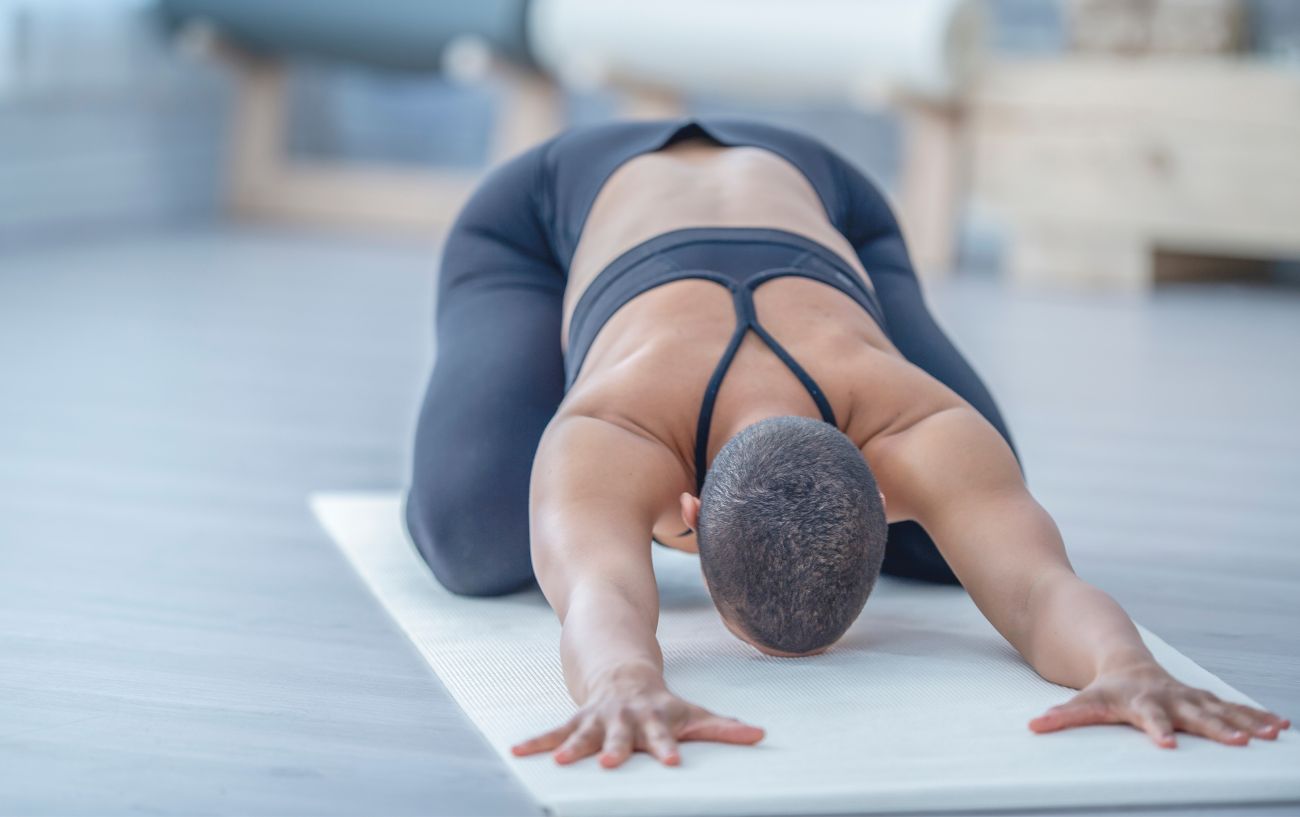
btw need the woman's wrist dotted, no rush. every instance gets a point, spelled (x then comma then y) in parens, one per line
(1129, 659)
(631, 673)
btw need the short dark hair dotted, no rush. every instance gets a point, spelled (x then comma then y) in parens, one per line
(791, 532)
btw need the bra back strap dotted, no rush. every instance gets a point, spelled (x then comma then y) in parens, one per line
(746, 319)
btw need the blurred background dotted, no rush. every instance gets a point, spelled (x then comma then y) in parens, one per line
(141, 114)
(219, 230)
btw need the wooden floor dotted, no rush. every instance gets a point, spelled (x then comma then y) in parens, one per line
(177, 637)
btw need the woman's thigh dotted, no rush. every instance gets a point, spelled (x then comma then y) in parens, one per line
(497, 381)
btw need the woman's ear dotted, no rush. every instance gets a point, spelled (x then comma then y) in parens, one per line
(690, 510)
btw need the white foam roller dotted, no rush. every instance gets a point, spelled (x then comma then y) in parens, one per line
(820, 49)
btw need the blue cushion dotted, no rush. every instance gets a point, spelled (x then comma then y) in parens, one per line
(406, 34)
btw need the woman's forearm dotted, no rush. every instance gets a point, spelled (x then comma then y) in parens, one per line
(608, 637)
(1078, 632)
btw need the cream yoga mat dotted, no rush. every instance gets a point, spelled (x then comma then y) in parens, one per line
(921, 707)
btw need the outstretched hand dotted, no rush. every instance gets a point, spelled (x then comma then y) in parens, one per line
(1152, 700)
(618, 720)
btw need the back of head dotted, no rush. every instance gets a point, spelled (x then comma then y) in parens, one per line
(791, 532)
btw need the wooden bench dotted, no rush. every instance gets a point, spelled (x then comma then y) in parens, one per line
(1099, 165)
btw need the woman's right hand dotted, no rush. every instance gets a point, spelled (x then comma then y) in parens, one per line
(620, 717)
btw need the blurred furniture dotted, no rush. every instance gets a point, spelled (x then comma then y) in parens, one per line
(1156, 26)
(915, 57)
(483, 41)
(1150, 151)
(1098, 163)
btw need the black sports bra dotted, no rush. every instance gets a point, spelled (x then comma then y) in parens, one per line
(738, 258)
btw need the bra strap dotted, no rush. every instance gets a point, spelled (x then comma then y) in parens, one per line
(814, 391)
(746, 319)
(744, 316)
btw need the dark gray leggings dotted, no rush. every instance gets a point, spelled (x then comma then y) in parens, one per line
(499, 377)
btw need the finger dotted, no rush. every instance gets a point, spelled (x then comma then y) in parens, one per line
(1221, 718)
(1194, 718)
(544, 742)
(1262, 724)
(618, 743)
(720, 729)
(1152, 719)
(1240, 717)
(658, 739)
(581, 743)
(1224, 731)
(1073, 713)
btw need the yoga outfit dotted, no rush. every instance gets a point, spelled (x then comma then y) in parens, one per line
(738, 258)
(500, 374)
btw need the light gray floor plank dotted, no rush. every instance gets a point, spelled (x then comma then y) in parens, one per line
(176, 635)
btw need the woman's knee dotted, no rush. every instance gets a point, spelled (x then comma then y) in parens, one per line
(467, 508)
(474, 543)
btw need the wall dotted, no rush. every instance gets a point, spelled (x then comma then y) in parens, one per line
(102, 126)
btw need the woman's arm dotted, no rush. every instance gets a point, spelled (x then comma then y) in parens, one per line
(596, 490)
(592, 511)
(955, 475)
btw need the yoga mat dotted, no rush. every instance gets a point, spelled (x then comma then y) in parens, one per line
(921, 706)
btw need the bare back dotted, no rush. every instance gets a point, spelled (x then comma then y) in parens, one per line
(649, 366)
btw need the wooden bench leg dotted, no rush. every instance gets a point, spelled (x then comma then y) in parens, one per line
(264, 183)
(257, 130)
(531, 111)
(933, 184)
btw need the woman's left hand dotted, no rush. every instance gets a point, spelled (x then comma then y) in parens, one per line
(1154, 701)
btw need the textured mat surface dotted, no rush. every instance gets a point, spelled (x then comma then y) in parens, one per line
(921, 707)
